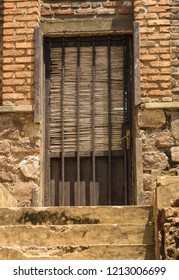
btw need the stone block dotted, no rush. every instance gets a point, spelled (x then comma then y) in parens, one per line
(167, 190)
(147, 198)
(4, 147)
(165, 139)
(30, 167)
(147, 182)
(175, 125)
(175, 154)
(151, 118)
(6, 199)
(23, 192)
(75, 5)
(154, 160)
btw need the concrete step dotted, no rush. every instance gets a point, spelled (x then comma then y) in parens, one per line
(53, 235)
(91, 252)
(76, 215)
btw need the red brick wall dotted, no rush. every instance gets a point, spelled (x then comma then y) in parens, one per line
(159, 26)
(1, 39)
(58, 9)
(20, 17)
(175, 47)
(17, 51)
(154, 18)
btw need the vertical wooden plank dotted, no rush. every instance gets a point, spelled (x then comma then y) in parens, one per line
(80, 194)
(52, 193)
(61, 200)
(64, 193)
(46, 121)
(38, 73)
(136, 46)
(94, 194)
(67, 194)
(109, 121)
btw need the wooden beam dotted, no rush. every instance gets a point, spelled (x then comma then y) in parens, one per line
(38, 73)
(137, 89)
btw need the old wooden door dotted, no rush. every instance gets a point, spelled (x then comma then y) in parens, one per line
(88, 120)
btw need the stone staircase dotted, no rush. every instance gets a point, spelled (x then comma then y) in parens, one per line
(80, 233)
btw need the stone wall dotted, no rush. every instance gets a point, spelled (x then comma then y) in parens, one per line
(157, 124)
(158, 130)
(19, 136)
(168, 224)
(19, 157)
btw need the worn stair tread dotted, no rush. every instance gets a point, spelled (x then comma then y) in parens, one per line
(87, 252)
(51, 235)
(76, 215)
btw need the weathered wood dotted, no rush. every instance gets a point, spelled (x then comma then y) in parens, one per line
(52, 192)
(38, 73)
(85, 89)
(94, 194)
(64, 194)
(136, 46)
(80, 194)
(46, 128)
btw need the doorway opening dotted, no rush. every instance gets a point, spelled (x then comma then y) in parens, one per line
(88, 121)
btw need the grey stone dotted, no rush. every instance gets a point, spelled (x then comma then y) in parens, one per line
(95, 5)
(30, 167)
(75, 5)
(151, 118)
(154, 160)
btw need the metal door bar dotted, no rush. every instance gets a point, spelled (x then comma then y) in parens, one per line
(94, 111)
(78, 112)
(109, 119)
(62, 120)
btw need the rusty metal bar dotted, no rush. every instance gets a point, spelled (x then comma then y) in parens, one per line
(109, 120)
(94, 111)
(62, 114)
(78, 112)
